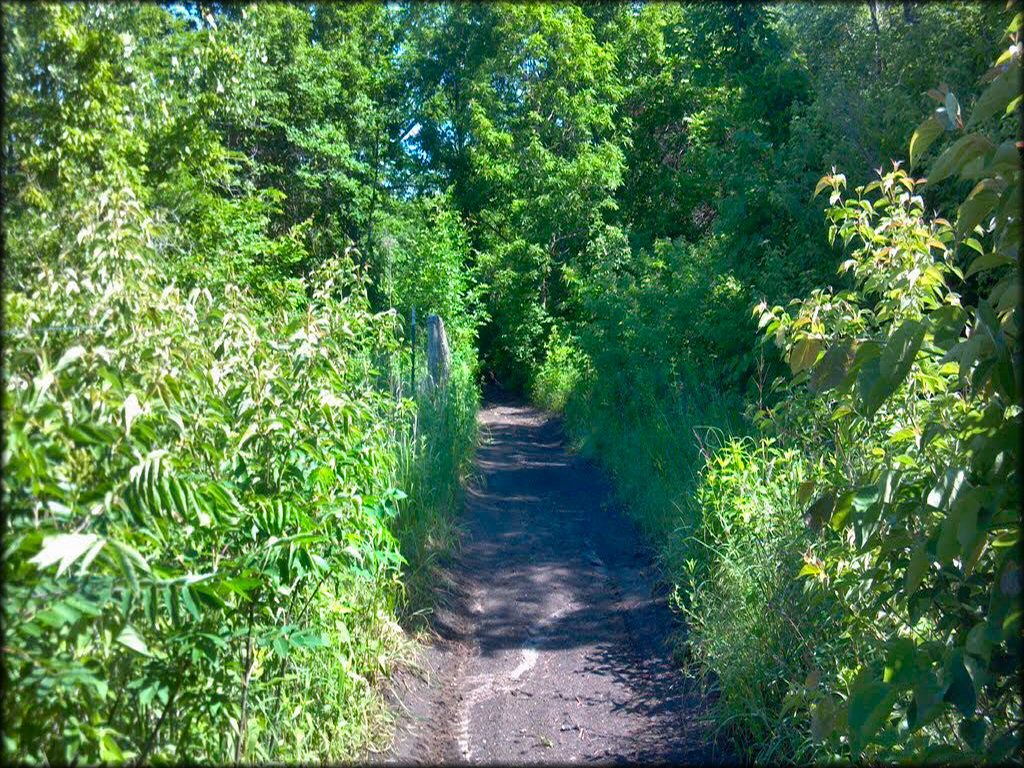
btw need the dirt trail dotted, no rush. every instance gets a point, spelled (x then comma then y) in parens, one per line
(550, 641)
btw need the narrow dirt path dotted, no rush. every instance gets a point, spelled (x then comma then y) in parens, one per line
(550, 641)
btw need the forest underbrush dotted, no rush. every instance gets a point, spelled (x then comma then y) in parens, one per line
(840, 534)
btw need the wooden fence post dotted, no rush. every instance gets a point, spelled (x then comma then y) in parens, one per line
(438, 355)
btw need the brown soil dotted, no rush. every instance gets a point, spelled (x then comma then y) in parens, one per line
(550, 636)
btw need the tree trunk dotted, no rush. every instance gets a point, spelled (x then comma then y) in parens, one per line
(367, 258)
(873, 6)
(908, 12)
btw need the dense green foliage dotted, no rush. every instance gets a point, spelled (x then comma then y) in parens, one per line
(845, 546)
(216, 496)
(219, 220)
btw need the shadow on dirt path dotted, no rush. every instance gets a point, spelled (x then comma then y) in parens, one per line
(550, 640)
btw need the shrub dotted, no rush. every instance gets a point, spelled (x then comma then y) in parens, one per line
(752, 632)
(198, 512)
(434, 459)
(912, 400)
(558, 376)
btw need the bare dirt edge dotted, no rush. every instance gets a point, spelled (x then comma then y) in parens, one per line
(426, 698)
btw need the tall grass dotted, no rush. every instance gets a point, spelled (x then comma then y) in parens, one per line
(749, 618)
(434, 459)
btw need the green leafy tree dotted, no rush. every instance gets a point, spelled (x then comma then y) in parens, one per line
(922, 403)
(518, 112)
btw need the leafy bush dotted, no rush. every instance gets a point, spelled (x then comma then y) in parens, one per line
(751, 631)
(921, 431)
(198, 511)
(904, 638)
(434, 459)
(563, 367)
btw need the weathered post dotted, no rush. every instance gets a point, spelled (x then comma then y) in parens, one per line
(439, 357)
(412, 367)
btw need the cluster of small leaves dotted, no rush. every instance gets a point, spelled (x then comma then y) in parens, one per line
(920, 503)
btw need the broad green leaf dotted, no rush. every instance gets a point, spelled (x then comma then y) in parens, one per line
(967, 528)
(926, 704)
(900, 662)
(110, 752)
(307, 640)
(960, 691)
(923, 137)
(190, 603)
(58, 615)
(808, 569)
(953, 108)
(996, 96)
(958, 155)
(881, 377)
(841, 510)
(132, 554)
(130, 638)
(40, 386)
(869, 707)
(803, 354)
(945, 494)
(832, 370)
(864, 498)
(947, 546)
(978, 643)
(917, 568)
(974, 210)
(990, 260)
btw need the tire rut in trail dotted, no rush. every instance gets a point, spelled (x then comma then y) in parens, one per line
(550, 639)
